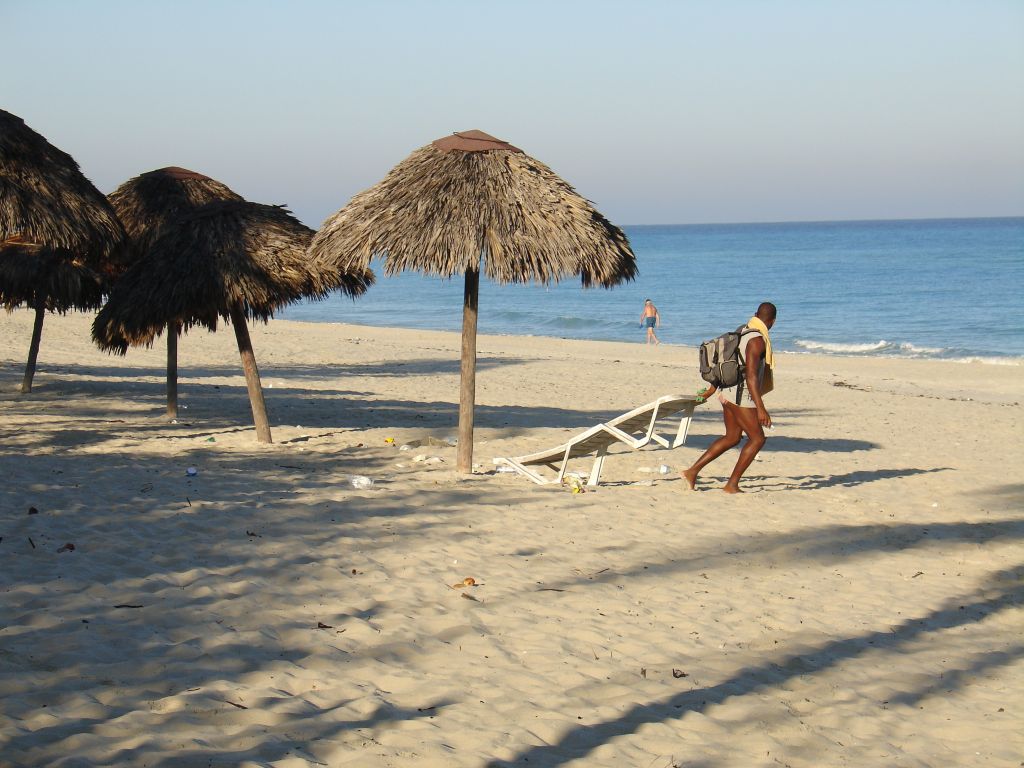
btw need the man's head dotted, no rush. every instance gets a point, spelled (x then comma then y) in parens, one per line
(766, 311)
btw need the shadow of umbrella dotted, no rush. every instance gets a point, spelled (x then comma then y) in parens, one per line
(60, 239)
(469, 202)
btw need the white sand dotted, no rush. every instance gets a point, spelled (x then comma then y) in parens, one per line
(861, 605)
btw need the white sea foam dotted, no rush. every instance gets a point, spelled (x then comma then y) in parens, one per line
(910, 349)
(848, 349)
(987, 360)
(885, 348)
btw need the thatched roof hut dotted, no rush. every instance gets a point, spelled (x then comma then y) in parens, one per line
(46, 201)
(228, 259)
(470, 197)
(150, 201)
(52, 280)
(59, 236)
(201, 266)
(469, 203)
(146, 205)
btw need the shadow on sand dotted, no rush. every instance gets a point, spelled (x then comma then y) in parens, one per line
(1005, 590)
(829, 544)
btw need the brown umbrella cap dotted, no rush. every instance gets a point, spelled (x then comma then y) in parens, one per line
(473, 141)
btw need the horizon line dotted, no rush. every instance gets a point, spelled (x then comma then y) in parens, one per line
(824, 221)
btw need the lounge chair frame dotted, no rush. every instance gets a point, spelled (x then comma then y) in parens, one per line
(635, 429)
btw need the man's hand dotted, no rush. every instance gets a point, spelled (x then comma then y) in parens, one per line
(764, 418)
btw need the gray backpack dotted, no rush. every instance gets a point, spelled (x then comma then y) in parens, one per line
(720, 361)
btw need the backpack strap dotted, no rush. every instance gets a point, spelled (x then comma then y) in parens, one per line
(743, 331)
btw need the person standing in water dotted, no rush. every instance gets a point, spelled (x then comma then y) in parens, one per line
(742, 406)
(650, 318)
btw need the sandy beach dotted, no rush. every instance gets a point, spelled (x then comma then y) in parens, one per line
(860, 605)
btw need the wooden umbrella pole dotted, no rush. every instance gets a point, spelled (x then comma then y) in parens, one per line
(252, 375)
(467, 378)
(33, 348)
(172, 368)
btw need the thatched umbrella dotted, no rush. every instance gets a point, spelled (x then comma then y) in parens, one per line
(466, 198)
(228, 259)
(146, 205)
(59, 237)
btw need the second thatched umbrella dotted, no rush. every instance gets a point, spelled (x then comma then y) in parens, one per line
(59, 237)
(471, 198)
(146, 205)
(229, 259)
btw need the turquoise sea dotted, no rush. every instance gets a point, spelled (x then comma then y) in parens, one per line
(937, 288)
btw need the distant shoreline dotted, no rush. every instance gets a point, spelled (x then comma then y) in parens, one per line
(798, 222)
(813, 353)
(940, 289)
(1010, 360)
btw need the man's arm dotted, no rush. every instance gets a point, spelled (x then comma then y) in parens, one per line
(755, 353)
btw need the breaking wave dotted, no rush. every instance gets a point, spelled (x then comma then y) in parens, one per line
(842, 349)
(883, 348)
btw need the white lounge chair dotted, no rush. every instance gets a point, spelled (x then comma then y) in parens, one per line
(635, 429)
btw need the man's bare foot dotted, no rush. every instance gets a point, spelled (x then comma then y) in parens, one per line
(730, 488)
(690, 476)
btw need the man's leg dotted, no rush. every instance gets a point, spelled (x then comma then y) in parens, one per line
(733, 433)
(747, 419)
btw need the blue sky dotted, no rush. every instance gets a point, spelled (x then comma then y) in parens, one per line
(659, 112)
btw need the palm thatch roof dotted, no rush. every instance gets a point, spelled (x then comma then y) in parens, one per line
(59, 236)
(149, 202)
(221, 255)
(47, 279)
(470, 196)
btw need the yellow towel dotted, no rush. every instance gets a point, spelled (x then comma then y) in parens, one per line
(769, 359)
(758, 325)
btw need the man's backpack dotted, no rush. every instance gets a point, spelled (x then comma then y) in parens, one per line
(720, 361)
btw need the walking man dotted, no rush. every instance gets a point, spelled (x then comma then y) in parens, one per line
(650, 318)
(742, 406)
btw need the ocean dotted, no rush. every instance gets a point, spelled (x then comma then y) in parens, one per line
(940, 288)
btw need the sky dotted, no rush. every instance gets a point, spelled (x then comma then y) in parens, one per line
(659, 112)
